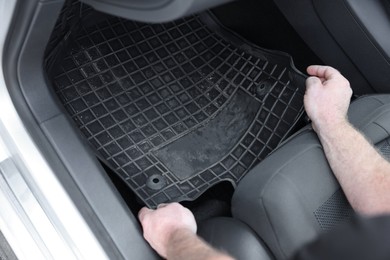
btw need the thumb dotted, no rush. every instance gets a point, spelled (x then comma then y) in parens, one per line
(143, 212)
(313, 81)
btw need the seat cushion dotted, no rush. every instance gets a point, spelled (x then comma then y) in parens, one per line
(234, 237)
(292, 196)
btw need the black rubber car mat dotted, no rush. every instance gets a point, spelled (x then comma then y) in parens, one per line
(176, 108)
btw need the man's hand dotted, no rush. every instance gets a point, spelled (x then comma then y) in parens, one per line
(362, 172)
(327, 97)
(159, 225)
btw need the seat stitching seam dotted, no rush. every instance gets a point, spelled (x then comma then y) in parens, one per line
(286, 164)
(263, 205)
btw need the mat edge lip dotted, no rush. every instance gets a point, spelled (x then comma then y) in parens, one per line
(186, 198)
(225, 30)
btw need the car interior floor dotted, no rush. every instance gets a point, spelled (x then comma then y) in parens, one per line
(180, 111)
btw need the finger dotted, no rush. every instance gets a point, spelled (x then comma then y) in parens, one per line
(143, 212)
(323, 71)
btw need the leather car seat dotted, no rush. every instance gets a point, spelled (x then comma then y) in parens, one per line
(292, 196)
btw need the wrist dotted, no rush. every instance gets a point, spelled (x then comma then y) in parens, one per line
(183, 243)
(177, 237)
(327, 125)
(179, 233)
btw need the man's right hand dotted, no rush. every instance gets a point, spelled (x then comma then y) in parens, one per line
(327, 97)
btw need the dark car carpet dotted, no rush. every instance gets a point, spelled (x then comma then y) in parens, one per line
(175, 108)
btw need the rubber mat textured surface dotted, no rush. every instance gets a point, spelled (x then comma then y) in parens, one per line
(176, 108)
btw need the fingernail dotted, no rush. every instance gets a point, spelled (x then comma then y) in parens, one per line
(161, 205)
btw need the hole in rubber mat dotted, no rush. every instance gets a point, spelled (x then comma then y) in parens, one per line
(138, 92)
(155, 182)
(205, 146)
(262, 88)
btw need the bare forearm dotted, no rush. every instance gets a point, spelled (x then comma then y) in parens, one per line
(186, 245)
(361, 171)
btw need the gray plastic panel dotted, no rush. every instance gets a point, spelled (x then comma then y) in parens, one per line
(361, 28)
(153, 11)
(305, 19)
(97, 199)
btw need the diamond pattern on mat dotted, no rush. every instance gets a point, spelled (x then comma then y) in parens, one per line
(133, 87)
